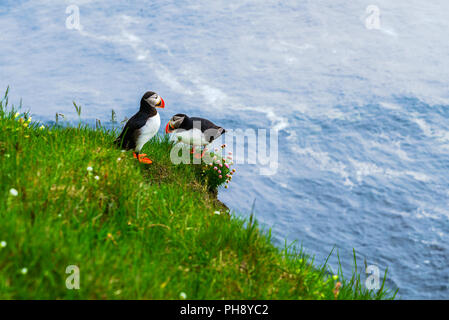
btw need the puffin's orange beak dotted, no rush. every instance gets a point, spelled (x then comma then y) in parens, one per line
(161, 104)
(168, 129)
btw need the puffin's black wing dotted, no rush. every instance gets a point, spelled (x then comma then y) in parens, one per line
(213, 131)
(127, 139)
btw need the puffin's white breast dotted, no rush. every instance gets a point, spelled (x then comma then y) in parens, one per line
(148, 131)
(193, 137)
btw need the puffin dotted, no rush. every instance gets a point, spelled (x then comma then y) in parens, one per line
(194, 131)
(142, 126)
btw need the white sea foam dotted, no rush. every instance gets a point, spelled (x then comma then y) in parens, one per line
(392, 147)
(363, 169)
(357, 170)
(390, 106)
(430, 131)
(321, 160)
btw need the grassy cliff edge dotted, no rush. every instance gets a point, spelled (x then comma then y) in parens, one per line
(135, 231)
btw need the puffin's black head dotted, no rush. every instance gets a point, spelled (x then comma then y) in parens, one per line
(151, 100)
(175, 122)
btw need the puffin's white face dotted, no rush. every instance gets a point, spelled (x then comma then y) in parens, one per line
(155, 101)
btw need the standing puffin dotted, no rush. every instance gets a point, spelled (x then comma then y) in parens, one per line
(198, 132)
(142, 126)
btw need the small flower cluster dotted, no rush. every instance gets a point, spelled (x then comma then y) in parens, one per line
(222, 167)
(26, 120)
(90, 170)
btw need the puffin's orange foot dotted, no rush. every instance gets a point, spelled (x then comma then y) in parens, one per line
(200, 155)
(197, 154)
(140, 155)
(145, 160)
(142, 159)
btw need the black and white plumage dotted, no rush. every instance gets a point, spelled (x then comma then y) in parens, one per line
(193, 130)
(143, 125)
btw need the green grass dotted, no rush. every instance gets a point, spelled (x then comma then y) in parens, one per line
(138, 232)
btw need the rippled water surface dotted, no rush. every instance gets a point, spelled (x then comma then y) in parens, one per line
(361, 114)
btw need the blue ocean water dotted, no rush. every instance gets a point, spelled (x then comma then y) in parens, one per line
(361, 113)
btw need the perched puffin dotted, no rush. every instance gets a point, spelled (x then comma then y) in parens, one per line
(142, 126)
(198, 132)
